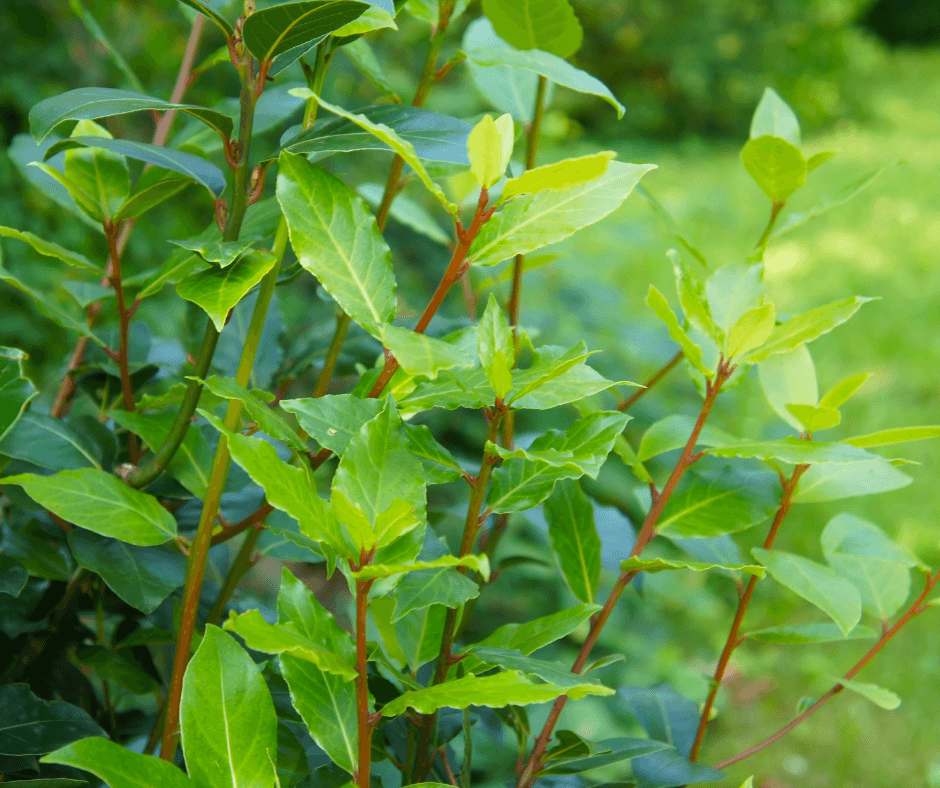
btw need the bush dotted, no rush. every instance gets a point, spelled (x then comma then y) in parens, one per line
(437, 472)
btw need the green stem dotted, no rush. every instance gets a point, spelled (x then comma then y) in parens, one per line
(236, 572)
(758, 254)
(733, 640)
(332, 355)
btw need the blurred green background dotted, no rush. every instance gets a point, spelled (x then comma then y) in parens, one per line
(864, 77)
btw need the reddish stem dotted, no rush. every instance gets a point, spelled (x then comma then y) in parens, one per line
(658, 376)
(362, 686)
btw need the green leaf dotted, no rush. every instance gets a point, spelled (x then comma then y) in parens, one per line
(193, 167)
(550, 25)
(111, 666)
(489, 148)
(840, 480)
(118, 766)
(881, 697)
(438, 463)
(733, 290)
(545, 64)
(496, 348)
(456, 388)
(289, 30)
(203, 7)
(290, 488)
(437, 586)
(419, 354)
(776, 165)
(413, 640)
(774, 117)
(690, 289)
(389, 137)
(31, 726)
(227, 718)
(751, 331)
(405, 211)
(789, 379)
(49, 249)
(532, 221)
(655, 565)
(708, 508)
(799, 634)
(818, 158)
(795, 452)
(496, 691)
(371, 19)
(47, 442)
(363, 57)
(141, 576)
(434, 137)
(257, 410)
(52, 782)
(551, 672)
(31, 547)
(839, 394)
(478, 563)
(548, 364)
(13, 576)
(809, 326)
(305, 630)
(657, 302)
(893, 436)
(217, 290)
(814, 418)
(816, 583)
(333, 420)
(193, 458)
(673, 432)
(337, 240)
(563, 174)
(327, 704)
(154, 187)
(520, 484)
(574, 539)
(16, 390)
(378, 474)
(623, 749)
(102, 503)
(92, 103)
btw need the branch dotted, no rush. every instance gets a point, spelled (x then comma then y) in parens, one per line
(654, 379)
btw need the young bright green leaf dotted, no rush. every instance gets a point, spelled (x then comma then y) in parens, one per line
(496, 347)
(501, 689)
(478, 563)
(657, 302)
(389, 137)
(97, 179)
(337, 240)
(548, 364)
(405, 211)
(751, 331)
(256, 410)
(881, 697)
(100, 502)
(776, 165)
(532, 221)
(574, 539)
(456, 388)
(92, 103)
(733, 290)
(540, 632)
(305, 630)
(227, 717)
(118, 766)
(654, 565)
(434, 137)
(839, 394)
(799, 634)
(893, 436)
(436, 586)
(224, 253)
(817, 584)
(376, 475)
(818, 158)
(191, 166)
(512, 659)
(814, 418)
(795, 452)
(333, 420)
(563, 174)
(749, 782)
(419, 354)
(774, 117)
(789, 379)
(284, 32)
(49, 249)
(549, 25)
(438, 464)
(808, 326)
(217, 290)
(190, 465)
(31, 726)
(371, 19)
(555, 69)
(141, 576)
(489, 148)
(327, 703)
(16, 390)
(833, 482)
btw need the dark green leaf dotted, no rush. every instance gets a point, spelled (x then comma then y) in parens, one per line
(37, 554)
(49, 249)
(49, 443)
(31, 726)
(16, 390)
(111, 666)
(620, 750)
(574, 538)
(13, 576)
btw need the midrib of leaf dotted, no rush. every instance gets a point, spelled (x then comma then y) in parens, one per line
(696, 507)
(576, 531)
(225, 717)
(350, 750)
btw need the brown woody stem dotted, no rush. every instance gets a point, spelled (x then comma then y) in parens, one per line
(364, 725)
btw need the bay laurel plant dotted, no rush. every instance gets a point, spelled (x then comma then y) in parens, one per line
(126, 492)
